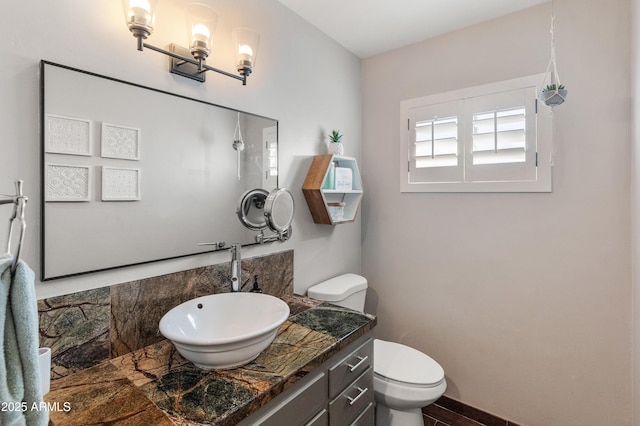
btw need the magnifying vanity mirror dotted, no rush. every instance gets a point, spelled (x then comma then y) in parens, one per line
(278, 212)
(133, 175)
(259, 210)
(251, 209)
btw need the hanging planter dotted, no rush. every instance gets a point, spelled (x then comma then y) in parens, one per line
(553, 95)
(238, 145)
(553, 92)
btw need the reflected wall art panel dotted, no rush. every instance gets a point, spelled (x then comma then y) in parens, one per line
(68, 183)
(120, 184)
(120, 142)
(68, 135)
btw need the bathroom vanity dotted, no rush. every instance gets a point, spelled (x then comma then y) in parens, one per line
(317, 371)
(340, 392)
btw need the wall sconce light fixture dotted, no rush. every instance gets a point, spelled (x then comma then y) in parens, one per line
(189, 62)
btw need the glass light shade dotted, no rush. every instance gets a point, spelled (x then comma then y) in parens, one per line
(201, 24)
(140, 16)
(246, 42)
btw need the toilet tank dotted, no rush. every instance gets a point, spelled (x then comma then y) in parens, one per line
(348, 290)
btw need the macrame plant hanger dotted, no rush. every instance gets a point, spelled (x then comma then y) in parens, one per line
(552, 92)
(238, 144)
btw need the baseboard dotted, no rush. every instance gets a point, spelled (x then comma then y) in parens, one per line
(448, 411)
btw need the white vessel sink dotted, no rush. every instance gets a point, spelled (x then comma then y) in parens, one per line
(224, 330)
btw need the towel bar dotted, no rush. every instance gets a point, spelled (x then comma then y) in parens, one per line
(19, 202)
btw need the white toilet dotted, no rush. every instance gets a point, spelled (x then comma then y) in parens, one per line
(405, 379)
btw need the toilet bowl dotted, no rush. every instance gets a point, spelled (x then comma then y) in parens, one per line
(404, 379)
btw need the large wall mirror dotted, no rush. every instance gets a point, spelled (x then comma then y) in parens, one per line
(132, 175)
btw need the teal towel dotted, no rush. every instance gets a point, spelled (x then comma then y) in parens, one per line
(20, 387)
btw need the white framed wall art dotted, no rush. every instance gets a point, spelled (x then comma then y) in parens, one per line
(67, 182)
(68, 135)
(120, 184)
(120, 142)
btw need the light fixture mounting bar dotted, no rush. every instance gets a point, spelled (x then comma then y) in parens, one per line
(184, 66)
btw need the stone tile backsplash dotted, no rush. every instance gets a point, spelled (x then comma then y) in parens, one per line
(86, 328)
(76, 328)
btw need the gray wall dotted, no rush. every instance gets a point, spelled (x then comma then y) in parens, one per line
(301, 77)
(525, 299)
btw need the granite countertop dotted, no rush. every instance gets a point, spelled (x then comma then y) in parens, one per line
(155, 385)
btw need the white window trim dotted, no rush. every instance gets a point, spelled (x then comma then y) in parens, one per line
(544, 134)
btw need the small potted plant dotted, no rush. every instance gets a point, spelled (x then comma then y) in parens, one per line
(553, 95)
(335, 143)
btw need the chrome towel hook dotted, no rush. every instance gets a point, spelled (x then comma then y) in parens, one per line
(19, 202)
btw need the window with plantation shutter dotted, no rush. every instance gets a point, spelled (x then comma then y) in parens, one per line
(435, 148)
(488, 138)
(499, 136)
(437, 142)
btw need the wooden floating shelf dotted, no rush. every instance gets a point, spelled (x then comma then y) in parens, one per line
(320, 196)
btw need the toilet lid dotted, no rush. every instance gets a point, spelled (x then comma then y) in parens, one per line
(404, 364)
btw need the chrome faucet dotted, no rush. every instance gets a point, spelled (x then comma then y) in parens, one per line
(236, 267)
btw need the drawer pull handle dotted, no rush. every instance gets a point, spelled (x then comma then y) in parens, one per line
(362, 392)
(361, 359)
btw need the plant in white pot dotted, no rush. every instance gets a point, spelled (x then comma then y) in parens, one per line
(335, 143)
(553, 95)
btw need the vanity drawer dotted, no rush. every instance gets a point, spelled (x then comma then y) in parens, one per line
(350, 367)
(321, 419)
(367, 417)
(299, 407)
(353, 401)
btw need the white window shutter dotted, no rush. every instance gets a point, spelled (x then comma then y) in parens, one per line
(434, 150)
(501, 130)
